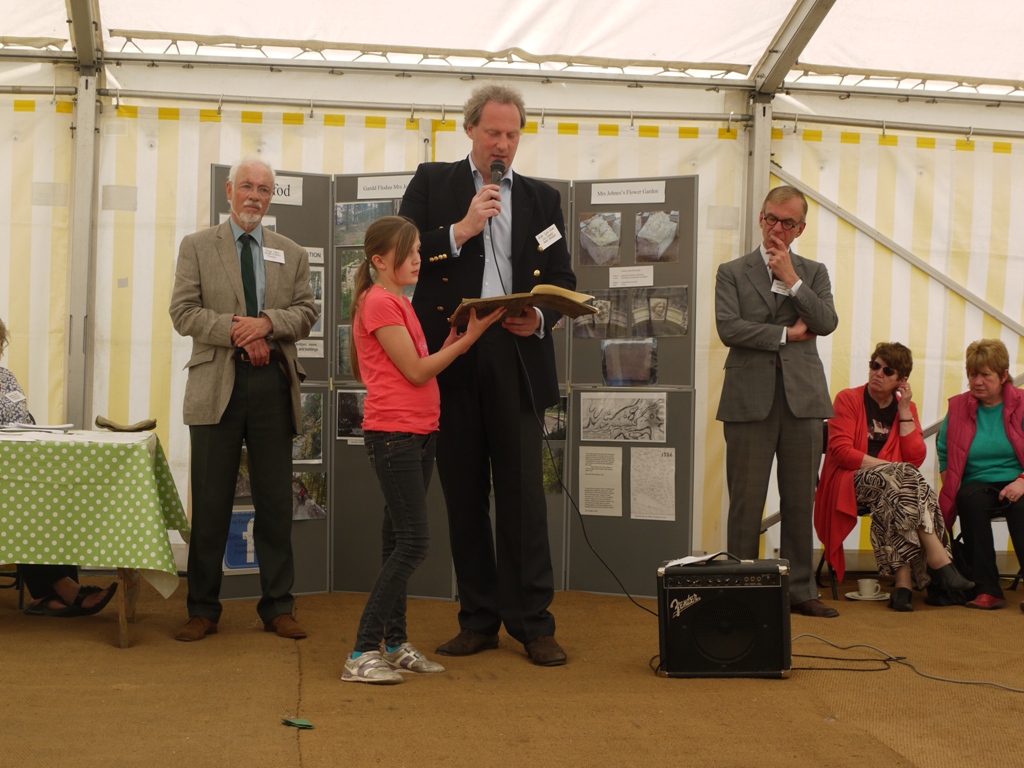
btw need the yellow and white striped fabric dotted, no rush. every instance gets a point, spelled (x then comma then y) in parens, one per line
(946, 200)
(36, 161)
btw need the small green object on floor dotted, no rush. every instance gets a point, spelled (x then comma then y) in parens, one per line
(297, 722)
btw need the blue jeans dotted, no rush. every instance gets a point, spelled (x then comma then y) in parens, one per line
(404, 463)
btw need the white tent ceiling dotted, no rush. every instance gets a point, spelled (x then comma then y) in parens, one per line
(936, 45)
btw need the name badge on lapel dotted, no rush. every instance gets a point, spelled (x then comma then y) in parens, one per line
(275, 255)
(548, 237)
(780, 288)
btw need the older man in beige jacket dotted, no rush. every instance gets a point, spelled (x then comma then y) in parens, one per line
(242, 293)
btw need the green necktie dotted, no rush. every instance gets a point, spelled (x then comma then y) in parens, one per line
(252, 308)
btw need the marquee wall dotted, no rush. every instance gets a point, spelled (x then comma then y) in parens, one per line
(949, 201)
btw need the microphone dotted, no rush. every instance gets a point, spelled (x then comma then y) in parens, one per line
(497, 171)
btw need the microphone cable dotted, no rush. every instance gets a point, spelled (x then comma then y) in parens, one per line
(497, 172)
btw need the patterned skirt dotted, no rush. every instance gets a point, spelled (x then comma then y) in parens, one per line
(901, 502)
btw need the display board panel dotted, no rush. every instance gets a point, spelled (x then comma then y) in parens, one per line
(300, 210)
(631, 464)
(635, 250)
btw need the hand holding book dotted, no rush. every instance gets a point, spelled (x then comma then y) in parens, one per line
(569, 303)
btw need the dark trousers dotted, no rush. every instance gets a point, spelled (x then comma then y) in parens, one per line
(39, 579)
(489, 429)
(404, 463)
(750, 449)
(259, 413)
(977, 504)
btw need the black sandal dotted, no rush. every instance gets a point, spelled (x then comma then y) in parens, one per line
(42, 606)
(83, 593)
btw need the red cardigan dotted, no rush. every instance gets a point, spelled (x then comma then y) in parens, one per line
(835, 503)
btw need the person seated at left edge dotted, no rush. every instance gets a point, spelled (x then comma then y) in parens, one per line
(54, 588)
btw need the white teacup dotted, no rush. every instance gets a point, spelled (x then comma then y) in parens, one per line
(868, 587)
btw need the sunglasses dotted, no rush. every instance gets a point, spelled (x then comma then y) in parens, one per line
(874, 365)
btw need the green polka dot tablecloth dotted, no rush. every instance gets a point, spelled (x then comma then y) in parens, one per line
(99, 499)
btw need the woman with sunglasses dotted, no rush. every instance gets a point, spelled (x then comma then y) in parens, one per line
(875, 446)
(981, 460)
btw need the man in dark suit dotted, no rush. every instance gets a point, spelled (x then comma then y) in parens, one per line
(770, 307)
(242, 293)
(480, 238)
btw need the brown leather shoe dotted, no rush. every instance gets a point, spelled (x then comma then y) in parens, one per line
(285, 625)
(546, 652)
(466, 643)
(196, 628)
(814, 608)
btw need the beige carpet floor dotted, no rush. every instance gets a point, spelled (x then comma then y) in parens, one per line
(72, 698)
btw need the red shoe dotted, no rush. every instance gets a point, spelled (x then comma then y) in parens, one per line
(986, 602)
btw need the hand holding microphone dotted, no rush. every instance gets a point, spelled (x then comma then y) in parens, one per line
(485, 205)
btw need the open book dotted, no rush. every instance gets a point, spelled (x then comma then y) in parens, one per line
(569, 303)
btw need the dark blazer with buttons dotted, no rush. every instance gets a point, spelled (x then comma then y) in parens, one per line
(439, 196)
(750, 322)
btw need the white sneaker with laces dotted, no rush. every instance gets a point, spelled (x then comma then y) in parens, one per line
(406, 658)
(369, 668)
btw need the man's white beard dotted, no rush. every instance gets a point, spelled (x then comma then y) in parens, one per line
(249, 216)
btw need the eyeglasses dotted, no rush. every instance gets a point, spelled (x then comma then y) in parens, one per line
(771, 220)
(874, 365)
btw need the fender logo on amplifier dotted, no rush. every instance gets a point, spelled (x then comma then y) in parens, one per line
(678, 606)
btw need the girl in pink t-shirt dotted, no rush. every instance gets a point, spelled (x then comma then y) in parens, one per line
(401, 412)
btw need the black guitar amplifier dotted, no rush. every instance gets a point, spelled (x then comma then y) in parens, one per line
(725, 618)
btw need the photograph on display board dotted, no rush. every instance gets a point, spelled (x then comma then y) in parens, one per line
(350, 414)
(600, 239)
(349, 260)
(631, 363)
(660, 311)
(243, 488)
(555, 420)
(623, 416)
(307, 448)
(309, 496)
(316, 283)
(554, 461)
(352, 219)
(344, 351)
(657, 236)
(611, 320)
(240, 552)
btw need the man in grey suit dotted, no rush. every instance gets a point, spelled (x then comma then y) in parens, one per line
(770, 307)
(242, 293)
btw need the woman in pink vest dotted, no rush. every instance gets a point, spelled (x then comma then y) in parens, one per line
(981, 459)
(875, 447)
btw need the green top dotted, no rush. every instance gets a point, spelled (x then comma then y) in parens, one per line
(991, 458)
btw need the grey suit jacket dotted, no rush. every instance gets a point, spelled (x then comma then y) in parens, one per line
(208, 292)
(751, 325)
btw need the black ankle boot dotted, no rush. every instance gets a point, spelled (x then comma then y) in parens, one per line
(949, 578)
(899, 600)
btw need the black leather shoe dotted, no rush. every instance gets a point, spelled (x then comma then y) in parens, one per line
(546, 652)
(949, 578)
(814, 608)
(900, 600)
(466, 643)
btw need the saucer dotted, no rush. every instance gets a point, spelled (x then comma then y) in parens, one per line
(873, 598)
